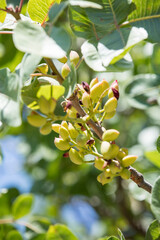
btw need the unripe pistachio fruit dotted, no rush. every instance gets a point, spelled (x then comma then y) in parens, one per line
(81, 140)
(97, 90)
(75, 156)
(72, 131)
(63, 60)
(105, 177)
(121, 154)
(110, 93)
(110, 105)
(86, 100)
(64, 124)
(56, 127)
(110, 135)
(109, 115)
(99, 163)
(36, 120)
(46, 128)
(72, 113)
(64, 133)
(65, 70)
(74, 57)
(43, 68)
(93, 82)
(115, 167)
(128, 160)
(125, 174)
(105, 87)
(109, 151)
(61, 144)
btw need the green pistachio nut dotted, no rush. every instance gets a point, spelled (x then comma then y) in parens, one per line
(109, 151)
(43, 68)
(72, 131)
(125, 150)
(109, 115)
(110, 135)
(105, 177)
(64, 124)
(75, 156)
(121, 154)
(65, 70)
(46, 128)
(93, 82)
(74, 57)
(105, 87)
(96, 91)
(61, 144)
(56, 127)
(36, 120)
(128, 160)
(110, 93)
(125, 174)
(44, 105)
(110, 105)
(72, 113)
(64, 133)
(86, 100)
(115, 167)
(99, 163)
(81, 140)
(63, 60)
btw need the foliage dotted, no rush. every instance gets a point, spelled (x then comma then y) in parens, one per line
(59, 61)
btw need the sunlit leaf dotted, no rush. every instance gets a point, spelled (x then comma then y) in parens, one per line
(60, 232)
(38, 9)
(153, 232)
(121, 235)
(3, 14)
(155, 203)
(154, 157)
(85, 4)
(22, 205)
(56, 10)
(31, 38)
(158, 144)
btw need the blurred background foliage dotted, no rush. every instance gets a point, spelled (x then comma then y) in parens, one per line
(70, 194)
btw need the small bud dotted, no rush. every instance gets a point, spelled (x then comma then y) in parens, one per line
(86, 87)
(115, 93)
(64, 133)
(64, 124)
(65, 70)
(110, 135)
(121, 154)
(125, 174)
(66, 155)
(75, 156)
(115, 85)
(93, 82)
(46, 128)
(61, 144)
(128, 160)
(110, 105)
(105, 177)
(74, 57)
(63, 60)
(99, 163)
(81, 140)
(36, 120)
(43, 68)
(86, 100)
(56, 127)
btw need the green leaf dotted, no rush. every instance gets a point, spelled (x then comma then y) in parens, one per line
(154, 157)
(22, 205)
(158, 144)
(31, 94)
(9, 97)
(155, 61)
(109, 238)
(147, 15)
(28, 65)
(38, 9)
(3, 14)
(85, 4)
(121, 234)
(142, 88)
(60, 232)
(153, 232)
(58, 35)
(155, 199)
(56, 10)
(14, 235)
(32, 38)
(41, 236)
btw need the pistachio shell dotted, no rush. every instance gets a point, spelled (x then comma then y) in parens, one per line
(56, 127)
(86, 100)
(75, 156)
(110, 105)
(93, 82)
(61, 144)
(109, 151)
(128, 160)
(64, 133)
(110, 135)
(81, 140)
(99, 163)
(109, 115)
(105, 177)
(72, 131)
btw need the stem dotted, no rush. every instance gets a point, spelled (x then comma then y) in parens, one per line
(54, 69)
(135, 175)
(6, 32)
(20, 6)
(26, 224)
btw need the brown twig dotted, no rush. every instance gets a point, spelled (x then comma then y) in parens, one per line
(135, 175)
(54, 70)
